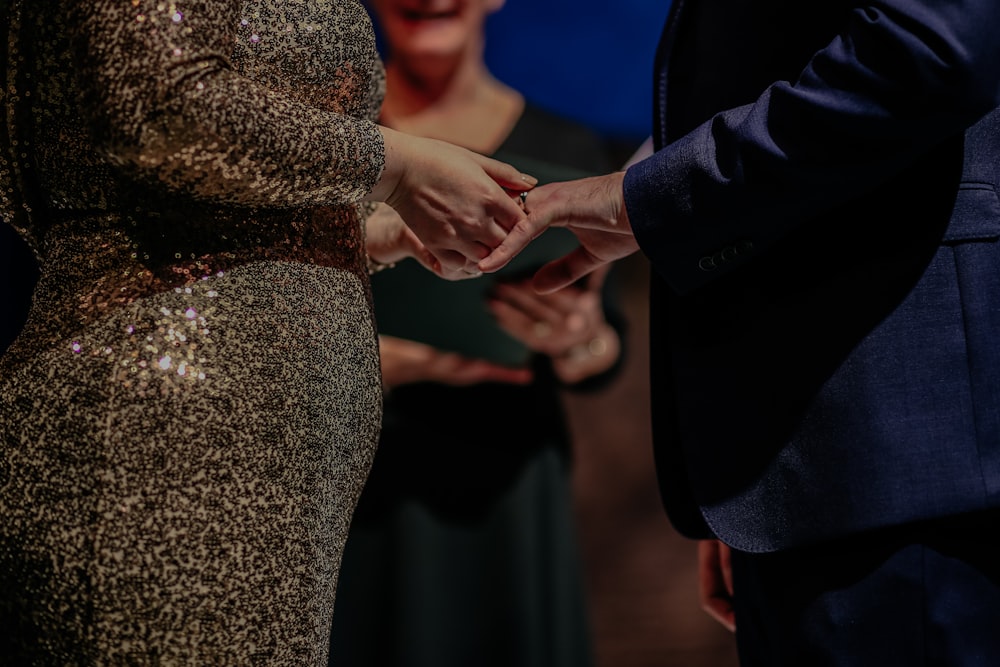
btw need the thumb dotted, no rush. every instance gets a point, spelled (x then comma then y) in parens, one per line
(517, 240)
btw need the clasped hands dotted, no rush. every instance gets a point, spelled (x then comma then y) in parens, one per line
(462, 214)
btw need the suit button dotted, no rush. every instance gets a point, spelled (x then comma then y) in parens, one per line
(728, 253)
(707, 264)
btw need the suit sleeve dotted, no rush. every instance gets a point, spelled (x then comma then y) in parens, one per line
(900, 77)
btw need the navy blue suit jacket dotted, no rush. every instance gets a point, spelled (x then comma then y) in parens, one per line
(822, 218)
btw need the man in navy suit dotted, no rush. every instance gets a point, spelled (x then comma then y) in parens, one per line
(822, 218)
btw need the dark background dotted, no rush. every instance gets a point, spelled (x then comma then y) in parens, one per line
(589, 60)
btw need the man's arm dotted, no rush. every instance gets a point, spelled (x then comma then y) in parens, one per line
(900, 77)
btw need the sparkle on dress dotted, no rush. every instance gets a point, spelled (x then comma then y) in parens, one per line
(190, 413)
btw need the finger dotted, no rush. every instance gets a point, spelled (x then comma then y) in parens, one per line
(490, 372)
(421, 254)
(708, 567)
(493, 234)
(567, 302)
(565, 271)
(522, 327)
(519, 198)
(477, 244)
(464, 272)
(533, 305)
(721, 609)
(507, 176)
(517, 240)
(726, 565)
(715, 599)
(597, 277)
(451, 261)
(507, 213)
(471, 269)
(456, 276)
(458, 370)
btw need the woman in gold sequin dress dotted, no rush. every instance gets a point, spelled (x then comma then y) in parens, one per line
(190, 413)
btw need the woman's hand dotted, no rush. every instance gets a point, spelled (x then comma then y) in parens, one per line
(567, 325)
(388, 240)
(458, 203)
(406, 362)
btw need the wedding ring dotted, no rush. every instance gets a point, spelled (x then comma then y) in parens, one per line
(524, 198)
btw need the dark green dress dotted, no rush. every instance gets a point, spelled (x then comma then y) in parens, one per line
(463, 549)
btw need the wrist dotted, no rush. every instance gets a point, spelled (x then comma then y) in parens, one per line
(617, 195)
(395, 150)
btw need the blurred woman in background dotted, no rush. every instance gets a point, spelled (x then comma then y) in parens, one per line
(463, 549)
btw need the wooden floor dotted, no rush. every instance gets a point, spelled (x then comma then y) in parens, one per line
(641, 574)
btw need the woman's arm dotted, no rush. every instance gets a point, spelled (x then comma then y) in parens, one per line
(168, 103)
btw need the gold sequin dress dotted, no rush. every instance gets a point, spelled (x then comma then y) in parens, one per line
(190, 413)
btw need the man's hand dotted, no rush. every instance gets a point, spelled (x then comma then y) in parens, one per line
(592, 208)
(715, 578)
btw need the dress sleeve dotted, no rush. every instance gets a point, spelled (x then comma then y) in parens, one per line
(168, 104)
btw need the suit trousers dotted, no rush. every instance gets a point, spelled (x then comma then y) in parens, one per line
(924, 594)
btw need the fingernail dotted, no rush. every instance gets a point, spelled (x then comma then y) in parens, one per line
(530, 180)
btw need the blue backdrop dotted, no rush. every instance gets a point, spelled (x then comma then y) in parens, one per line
(588, 59)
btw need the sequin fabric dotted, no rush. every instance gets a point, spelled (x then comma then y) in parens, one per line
(191, 411)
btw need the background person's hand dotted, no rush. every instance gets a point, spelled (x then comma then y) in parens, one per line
(406, 362)
(592, 208)
(567, 325)
(457, 202)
